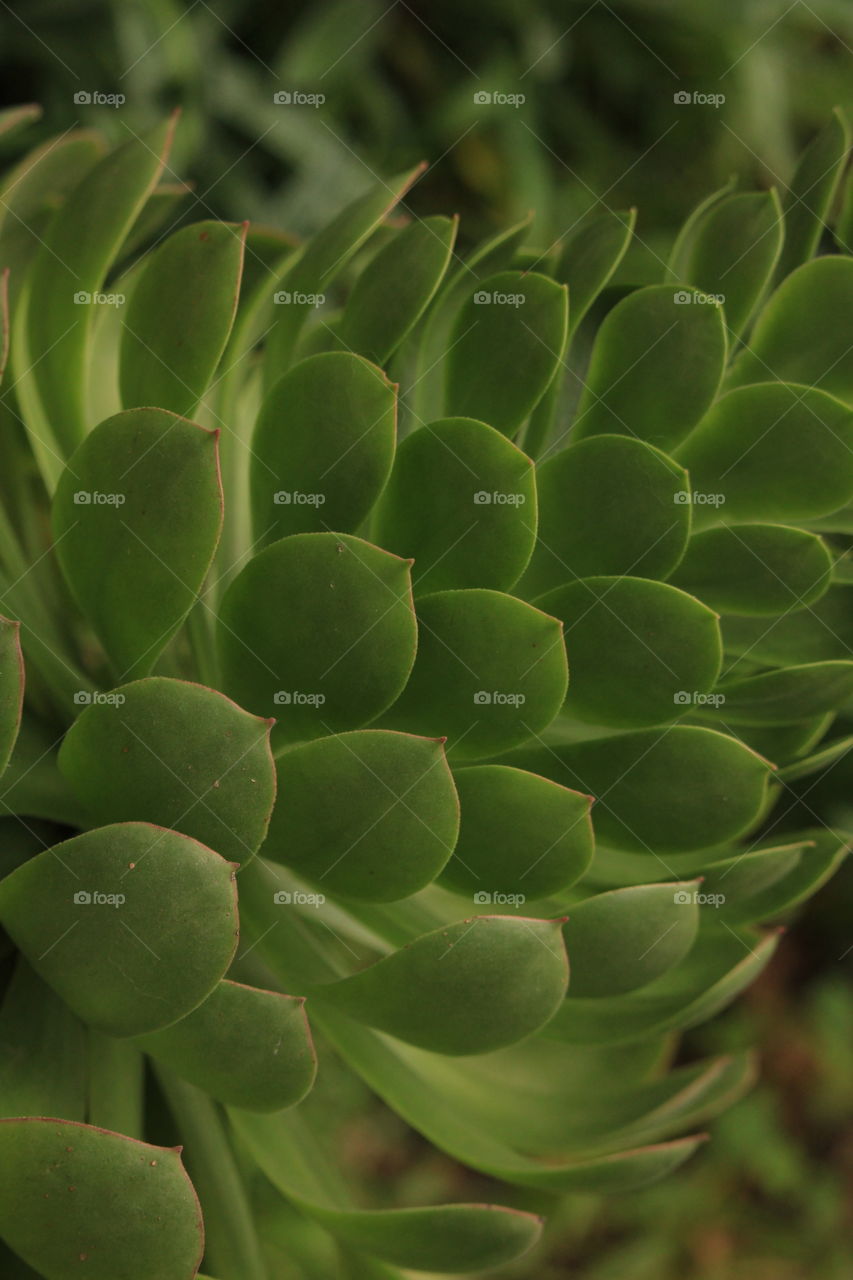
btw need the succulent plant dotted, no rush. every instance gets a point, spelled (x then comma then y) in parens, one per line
(297, 545)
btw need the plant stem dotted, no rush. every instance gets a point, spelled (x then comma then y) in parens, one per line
(116, 1078)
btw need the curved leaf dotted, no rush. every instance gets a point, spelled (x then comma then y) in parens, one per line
(12, 676)
(755, 569)
(777, 697)
(43, 1068)
(809, 198)
(590, 258)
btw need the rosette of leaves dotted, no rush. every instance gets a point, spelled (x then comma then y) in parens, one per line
(297, 550)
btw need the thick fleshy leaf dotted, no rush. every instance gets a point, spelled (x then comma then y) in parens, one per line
(755, 569)
(609, 505)
(462, 501)
(395, 288)
(642, 652)
(318, 629)
(43, 1069)
(802, 333)
(520, 834)
(14, 118)
(178, 755)
(159, 211)
(71, 267)
(369, 814)
(136, 519)
(11, 687)
(817, 762)
(809, 198)
(323, 446)
(771, 452)
(180, 315)
(713, 786)
(735, 251)
(794, 693)
(481, 984)
(490, 672)
(623, 939)
(682, 248)
(505, 347)
(822, 632)
(442, 1238)
(629, 388)
(590, 258)
(77, 1200)
(131, 924)
(818, 859)
(244, 1046)
(323, 258)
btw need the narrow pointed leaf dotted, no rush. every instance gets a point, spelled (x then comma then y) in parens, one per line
(180, 315)
(132, 925)
(319, 630)
(641, 652)
(590, 258)
(628, 388)
(462, 502)
(809, 199)
(505, 347)
(244, 1046)
(136, 519)
(686, 238)
(481, 984)
(323, 446)
(520, 834)
(178, 755)
(821, 857)
(755, 569)
(369, 814)
(490, 672)
(78, 1200)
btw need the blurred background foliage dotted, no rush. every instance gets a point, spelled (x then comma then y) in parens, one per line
(770, 1197)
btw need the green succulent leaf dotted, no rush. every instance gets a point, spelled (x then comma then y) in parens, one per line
(481, 984)
(462, 502)
(43, 1068)
(520, 834)
(244, 1046)
(396, 287)
(180, 315)
(608, 505)
(777, 697)
(590, 258)
(755, 569)
(14, 118)
(626, 938)
(370, 814)
(735, 251)
(178, 755)
(771, 452)
(819, 856)
(714, 786)
(641, 651)
(505, 347)
(629, 389)
(490, 672)
(809, 198)
(317, 265)
(12, 678)
(323, 446)
(70, 270)
(132, 925)
(320, 629)
(682, 248)
(136, 520)
(75, 1200)
(801, 335)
